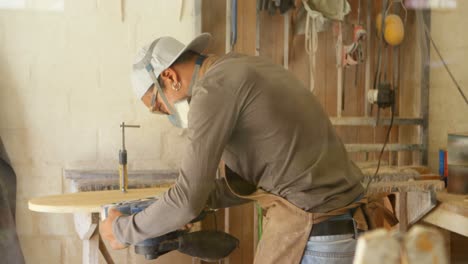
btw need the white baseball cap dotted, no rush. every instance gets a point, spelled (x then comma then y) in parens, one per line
(161, 54)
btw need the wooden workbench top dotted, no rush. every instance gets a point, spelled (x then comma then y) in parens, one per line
(451, 213)
(89, 202)
(458, 203)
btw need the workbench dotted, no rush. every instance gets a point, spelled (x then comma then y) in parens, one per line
(88, 196)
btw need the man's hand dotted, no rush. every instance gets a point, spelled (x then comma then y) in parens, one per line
(105, 229)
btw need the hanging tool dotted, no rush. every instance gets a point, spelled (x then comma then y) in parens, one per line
(352, 54)
(319, 14)
(344, 65)
(394, 35)
(315, 22)
(272, 6)
(286, 40)
(394, 26)
(359, 34)
(260, 4)
(228, 22)
(368, 57)
(123, 174)
(339, 65)
(282, 5)
(233, 23)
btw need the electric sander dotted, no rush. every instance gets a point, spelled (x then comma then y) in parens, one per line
(208, 245)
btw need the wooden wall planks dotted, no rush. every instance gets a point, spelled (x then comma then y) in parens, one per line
(246, 27)
(271, 46)
(214, 22)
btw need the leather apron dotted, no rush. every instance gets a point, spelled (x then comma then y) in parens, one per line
(287, 228)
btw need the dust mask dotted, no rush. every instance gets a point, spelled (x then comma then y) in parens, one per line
(179, 118)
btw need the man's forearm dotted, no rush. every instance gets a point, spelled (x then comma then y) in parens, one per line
(167, 214)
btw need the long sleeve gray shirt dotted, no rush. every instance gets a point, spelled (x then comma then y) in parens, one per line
(269, 129)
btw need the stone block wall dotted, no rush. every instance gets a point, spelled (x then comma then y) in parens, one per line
(64, 90)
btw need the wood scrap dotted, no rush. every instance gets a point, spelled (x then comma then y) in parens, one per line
(378, 246)
(425, 245)
(93, 180)
(406, 186)
(449, 219)
(389, 174)
(453, 202)
(421, 245)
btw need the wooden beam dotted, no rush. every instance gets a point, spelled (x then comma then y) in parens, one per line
(105, 253)
(425, 71)
(403, 211)
(378, 147)
(370, 121)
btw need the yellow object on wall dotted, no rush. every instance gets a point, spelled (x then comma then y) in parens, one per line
(394, 29)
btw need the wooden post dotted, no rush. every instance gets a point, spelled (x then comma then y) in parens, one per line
(340, 69)
(402, 211)
(86, 226)
(425, 71)
(104, 251)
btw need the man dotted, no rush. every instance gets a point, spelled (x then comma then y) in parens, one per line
(270, 132)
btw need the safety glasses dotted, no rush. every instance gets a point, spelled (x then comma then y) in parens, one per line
(155, 107)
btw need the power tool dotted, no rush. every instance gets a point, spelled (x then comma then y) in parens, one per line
(207, 245)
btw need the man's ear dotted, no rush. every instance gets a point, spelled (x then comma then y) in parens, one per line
(171, 75)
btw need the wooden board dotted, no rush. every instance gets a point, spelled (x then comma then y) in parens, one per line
(451, 213)
(456, 203)
(89, 202)
(448, 219)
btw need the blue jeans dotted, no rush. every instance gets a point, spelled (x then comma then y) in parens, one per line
(334, 249)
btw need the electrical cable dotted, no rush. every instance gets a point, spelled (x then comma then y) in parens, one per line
(215, 220)
(387, 137)
(445, 65)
